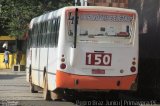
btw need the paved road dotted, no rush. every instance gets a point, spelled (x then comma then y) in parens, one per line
(14, 90)
(14, 87)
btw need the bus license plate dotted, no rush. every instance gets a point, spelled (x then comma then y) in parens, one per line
(98, 71)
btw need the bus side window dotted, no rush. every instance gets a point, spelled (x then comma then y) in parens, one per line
(46, 34)
(49, 31)
(39, 34)
(33, 36)
(53, 32)
(36, 37)
(56, 32)
(49, 26)
(43, 35)
(41, 26)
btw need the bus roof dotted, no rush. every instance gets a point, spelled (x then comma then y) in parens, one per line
(57, 13)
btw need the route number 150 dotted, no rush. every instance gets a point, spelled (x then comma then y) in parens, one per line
(98, 59)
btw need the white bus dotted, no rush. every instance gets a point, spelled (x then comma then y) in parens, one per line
(83, 49)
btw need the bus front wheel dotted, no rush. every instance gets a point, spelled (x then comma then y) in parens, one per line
(46, 92)
(32, 86)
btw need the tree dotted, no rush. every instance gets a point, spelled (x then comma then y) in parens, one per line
(15, 15)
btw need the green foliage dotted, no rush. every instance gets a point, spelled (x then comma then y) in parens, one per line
(15, 15)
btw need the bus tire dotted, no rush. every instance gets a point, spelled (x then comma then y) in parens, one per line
(46, 92)
(57, 94)
(32, 86)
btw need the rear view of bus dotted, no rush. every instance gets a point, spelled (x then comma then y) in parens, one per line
(99, 50)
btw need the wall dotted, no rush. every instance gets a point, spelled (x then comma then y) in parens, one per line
(149, 44)
(12, 60)
(109, 3)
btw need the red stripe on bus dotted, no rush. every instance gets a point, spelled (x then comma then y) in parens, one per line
(71, 81)
(104, 11)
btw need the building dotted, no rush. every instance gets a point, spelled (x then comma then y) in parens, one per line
(13, 45)
(109, 3)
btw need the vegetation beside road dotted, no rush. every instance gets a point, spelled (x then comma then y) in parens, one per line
(15, 15)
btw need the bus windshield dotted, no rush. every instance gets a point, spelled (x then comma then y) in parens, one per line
(100, 27)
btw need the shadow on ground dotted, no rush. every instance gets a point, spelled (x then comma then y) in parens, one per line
(9, 77)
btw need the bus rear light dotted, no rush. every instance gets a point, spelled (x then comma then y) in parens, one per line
(133, 69)
(63, 66)
(133, 63)
(63, 60)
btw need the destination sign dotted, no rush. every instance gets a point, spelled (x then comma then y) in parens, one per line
(113, 18)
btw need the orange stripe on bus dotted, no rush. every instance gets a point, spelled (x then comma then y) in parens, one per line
(66, 80)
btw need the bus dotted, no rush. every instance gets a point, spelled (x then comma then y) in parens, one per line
(83, 48)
